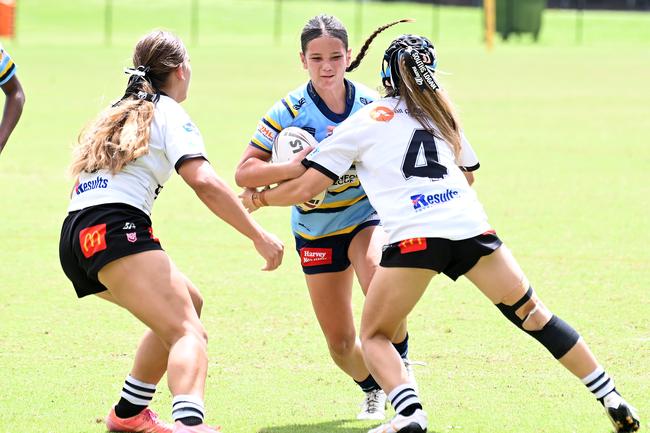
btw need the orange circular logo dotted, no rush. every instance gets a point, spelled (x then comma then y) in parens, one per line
(382, 114)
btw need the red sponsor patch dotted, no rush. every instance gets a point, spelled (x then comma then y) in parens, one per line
(155, 239)
(92, 240)
(412, 245)
(382, 114)
(315, 256)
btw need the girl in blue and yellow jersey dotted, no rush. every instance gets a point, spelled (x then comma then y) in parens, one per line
(14, 97)
(341, 237)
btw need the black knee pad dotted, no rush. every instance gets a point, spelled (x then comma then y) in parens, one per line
(557, 335)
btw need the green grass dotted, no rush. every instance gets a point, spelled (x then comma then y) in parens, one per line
(562, 133)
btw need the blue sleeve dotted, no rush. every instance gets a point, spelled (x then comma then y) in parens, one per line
(7, 67)
(280, 116)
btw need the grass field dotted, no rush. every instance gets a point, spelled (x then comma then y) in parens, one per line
(562, 133)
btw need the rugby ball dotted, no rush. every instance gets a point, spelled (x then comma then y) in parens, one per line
(286, 145)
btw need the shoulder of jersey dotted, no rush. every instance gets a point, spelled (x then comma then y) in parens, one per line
(296, 100)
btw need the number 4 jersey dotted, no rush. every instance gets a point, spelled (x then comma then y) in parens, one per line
(411, 177)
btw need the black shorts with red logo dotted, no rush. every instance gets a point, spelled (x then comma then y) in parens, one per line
(328, 254)
(94, 236)
(452, 258)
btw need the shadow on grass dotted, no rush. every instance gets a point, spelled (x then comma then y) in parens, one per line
(336, 426)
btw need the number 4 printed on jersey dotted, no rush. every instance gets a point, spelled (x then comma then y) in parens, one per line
(421, 157)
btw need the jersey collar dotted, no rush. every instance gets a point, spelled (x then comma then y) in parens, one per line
(324, 109)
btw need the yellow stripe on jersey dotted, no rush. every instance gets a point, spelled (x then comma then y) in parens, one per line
(342, 203)
(345, 186)
(259, 143)
(293, 110)
(273, 123)
(338, 232)
(10, 63)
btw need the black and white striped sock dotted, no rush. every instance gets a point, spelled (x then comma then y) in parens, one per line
(404, 399)
(599, 383)
(135, 396)
(188, 409)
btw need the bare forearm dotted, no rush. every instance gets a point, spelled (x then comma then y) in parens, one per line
(12, 111)
(254, 172)
(223, 202)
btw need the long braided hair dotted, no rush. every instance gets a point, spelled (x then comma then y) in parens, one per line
(120, 133)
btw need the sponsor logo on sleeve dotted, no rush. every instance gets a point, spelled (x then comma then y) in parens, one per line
(382, 114)
(412, 245)
(421, 202)
(128, 226)
(267, 132)
(92, 240)
(316, 256)
(132, 237)
(297, 106)
(98, 182)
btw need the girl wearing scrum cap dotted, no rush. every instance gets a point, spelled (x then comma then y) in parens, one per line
(409, 151)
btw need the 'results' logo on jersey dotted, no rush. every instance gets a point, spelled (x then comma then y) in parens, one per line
(413, 244)
(315, 256)
(98, 182)
(421, 202)
(382, 114)
(92, 240)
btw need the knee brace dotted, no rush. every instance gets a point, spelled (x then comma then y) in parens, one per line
(556, 335)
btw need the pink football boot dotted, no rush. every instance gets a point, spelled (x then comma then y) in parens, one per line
(145, 422)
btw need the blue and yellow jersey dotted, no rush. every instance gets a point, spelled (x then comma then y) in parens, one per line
(7, 67)
(345, 205)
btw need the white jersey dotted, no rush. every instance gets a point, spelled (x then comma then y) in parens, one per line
(411, 177)
(173, 139)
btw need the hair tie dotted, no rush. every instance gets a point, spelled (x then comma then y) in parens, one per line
(140, 71)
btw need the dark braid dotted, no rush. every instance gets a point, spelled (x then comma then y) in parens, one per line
(362, 53)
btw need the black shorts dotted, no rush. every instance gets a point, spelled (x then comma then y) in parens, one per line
(328, 254)
(94, 236)
(452, 258)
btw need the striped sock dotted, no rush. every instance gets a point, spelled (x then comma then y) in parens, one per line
(135, 396)
(599, 383)
(404, 399)
(188, 409)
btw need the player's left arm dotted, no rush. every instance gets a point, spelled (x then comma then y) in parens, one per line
(13, 108)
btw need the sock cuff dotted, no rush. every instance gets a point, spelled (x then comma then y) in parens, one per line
(399, 388)
(402, 347)
(593, 375)
(133, 381)
(187, 406)
(368, 384)
(187, 398)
